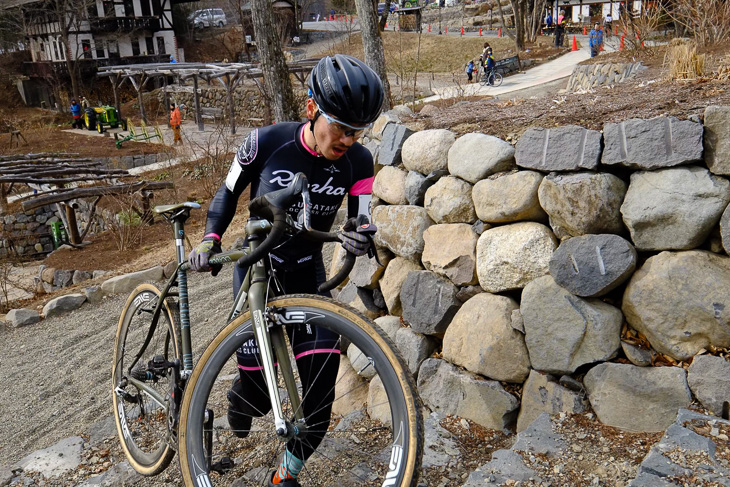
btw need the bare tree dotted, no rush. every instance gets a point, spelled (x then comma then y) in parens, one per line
(277, 82)
(527, 16)
(708, 21)
(372, 43)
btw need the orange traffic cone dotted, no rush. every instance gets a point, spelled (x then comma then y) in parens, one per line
(575, 45)
(429, 27)
(462, 30)
(446, 29)
(585, 31)
(616, 30)
(480, 31)
(499, 32)
(621, 46)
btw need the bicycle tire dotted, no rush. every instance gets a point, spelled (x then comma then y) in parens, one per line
(380, 459)
(497, 79)
(141, 426)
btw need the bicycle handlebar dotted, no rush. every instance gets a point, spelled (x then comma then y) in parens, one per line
(272, 206)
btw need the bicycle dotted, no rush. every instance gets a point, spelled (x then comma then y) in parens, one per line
(162, 402)
(491, 78)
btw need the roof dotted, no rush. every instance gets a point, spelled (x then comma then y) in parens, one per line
(6, 4)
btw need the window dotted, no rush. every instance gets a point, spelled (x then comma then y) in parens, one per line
(150, 45)
(99, 50)
(156, 8)
(55, 50)
(161, 45)
(109, 8)
(145, 8)
(129, 8)
(86, 48)
(135, 47)
(92, 10)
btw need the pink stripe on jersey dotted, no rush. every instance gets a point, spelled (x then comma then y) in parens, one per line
(364, 186)
(317, 350)
(301, 138)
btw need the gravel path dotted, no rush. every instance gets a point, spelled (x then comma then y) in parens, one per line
(55, 379)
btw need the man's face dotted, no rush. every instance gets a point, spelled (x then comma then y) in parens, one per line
(332, 141)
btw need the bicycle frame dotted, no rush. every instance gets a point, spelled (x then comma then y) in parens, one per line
(254, 292)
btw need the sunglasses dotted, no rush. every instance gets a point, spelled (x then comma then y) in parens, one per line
(340, 128)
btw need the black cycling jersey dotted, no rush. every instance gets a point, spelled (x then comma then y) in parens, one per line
(269, 158)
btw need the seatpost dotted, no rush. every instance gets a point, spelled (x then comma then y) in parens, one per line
(178, 225)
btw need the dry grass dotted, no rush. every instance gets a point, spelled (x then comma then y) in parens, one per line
(439, 54)
(683, 62)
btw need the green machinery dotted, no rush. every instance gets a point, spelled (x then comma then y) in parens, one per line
(143, 133)
(96, 118)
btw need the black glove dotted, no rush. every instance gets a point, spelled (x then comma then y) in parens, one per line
(357, 239)
(199, 256)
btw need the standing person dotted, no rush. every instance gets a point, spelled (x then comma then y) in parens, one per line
(560, 29)
(469, 70)
(608, 23)
(84, 103)
(76, 114)
(549, 22)
(175, 121)
(345, 98)
(595, 39)
(489, 64)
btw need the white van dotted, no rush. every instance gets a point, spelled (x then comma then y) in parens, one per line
(207, 17)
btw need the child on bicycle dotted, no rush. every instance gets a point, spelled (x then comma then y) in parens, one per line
(345, 98)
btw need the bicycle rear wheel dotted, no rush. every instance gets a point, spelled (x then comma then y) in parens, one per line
(142, 418)
(497, 79)
(375, 435)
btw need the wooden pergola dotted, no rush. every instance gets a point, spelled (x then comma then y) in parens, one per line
(62, 178)
(230, 75)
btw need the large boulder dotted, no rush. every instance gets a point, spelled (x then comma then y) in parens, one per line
(510, 197)
(681, 302)
(449, 201)
(390, 185)
(563, 331)
(543, 394)
(709, 380)
(429, 302)
(593, 265)
(581, 203)
(450, 251)
(127, 282)
(427, 150)
(400, 229)
(481, 339)
(475, 156)
(22, 317)
(567, 148)
(510, 256)
(392, 281)
(63, 304)
(637, 399)
(652, 144)
(717, 139)
(448, 390)
(674, 209)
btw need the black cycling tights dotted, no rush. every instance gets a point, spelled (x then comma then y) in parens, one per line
(317, 354)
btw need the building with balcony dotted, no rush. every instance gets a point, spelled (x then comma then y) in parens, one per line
(100, 33)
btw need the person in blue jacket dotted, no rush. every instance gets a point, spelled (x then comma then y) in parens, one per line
(595, 39)
(76, 114)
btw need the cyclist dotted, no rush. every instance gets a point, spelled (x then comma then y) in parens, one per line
(345, 98)
(489, 64)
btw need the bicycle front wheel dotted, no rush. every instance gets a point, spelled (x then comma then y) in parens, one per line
(141, 411)
(375, 431)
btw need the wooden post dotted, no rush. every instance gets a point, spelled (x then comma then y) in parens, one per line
(196, 97)
(73, 228)
(3, 199)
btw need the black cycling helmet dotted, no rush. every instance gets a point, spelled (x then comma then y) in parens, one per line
(347, 89)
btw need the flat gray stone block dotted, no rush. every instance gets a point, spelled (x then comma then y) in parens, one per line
(652, 144)
(593, 265)
(567, 148)
(390, 146)
(55, 460)
(429, 302)
(22, 317)
(63, 304)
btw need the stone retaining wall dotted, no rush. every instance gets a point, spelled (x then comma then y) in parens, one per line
(569, 263)
(591, 76)
(247, 101)
(27, 233)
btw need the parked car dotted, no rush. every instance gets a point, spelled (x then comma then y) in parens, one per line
(208, 17)
(381, 7)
